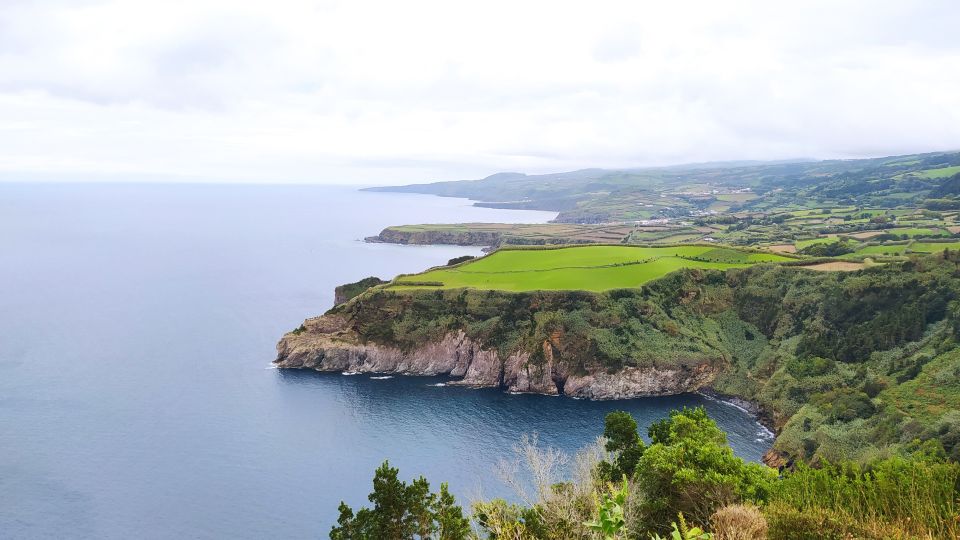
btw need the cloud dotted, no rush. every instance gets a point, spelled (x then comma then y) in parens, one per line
(307, 91)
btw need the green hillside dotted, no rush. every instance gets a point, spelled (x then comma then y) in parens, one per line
(588, 268)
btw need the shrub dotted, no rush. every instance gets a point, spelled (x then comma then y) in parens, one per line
(620, 430)
(739, 522)
(402, 511)
(917, 496)
(461, 259)
(788, 523)
(691, 469)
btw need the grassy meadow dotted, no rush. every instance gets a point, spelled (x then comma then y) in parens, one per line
(589, 268)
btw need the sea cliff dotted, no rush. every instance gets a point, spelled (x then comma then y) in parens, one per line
(327, 344)
(813, 354)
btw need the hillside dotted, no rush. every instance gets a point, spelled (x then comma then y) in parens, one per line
(589, 268)
(607, 195)
(841, 364)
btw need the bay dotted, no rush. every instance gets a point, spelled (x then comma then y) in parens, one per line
(137, 326)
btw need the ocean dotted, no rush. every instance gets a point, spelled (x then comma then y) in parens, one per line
(137, 400)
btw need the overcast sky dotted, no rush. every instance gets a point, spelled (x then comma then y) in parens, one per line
(400, 91)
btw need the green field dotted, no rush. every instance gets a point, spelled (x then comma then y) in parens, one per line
(591, 268)
(933, 247)
(918, 231)
(939, 173)
(883, 249)
(821, 240)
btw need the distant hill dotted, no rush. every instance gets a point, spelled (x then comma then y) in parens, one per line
(613, 195)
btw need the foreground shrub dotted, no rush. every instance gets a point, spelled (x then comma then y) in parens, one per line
(789, 523)
(904, 497)
(689, 468)
(402, 511)
(738, 522)
(682, 531)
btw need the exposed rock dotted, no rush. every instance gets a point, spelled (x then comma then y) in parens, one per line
(436, 237)
(327, 344)
(633, 382)
(774, 459)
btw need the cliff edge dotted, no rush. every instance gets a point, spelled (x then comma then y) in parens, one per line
(327, 343)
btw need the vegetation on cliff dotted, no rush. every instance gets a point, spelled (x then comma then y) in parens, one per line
(686, 483)
(346, 292)
(844, 365)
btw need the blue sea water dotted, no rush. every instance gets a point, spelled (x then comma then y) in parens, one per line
(137, 326)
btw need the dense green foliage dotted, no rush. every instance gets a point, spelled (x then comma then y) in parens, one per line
(689, 468)
(345, 293)
(858, 372)
(893, 497)
(623, 441)
(460, 259)
(687, 484)
(828, 249)
(402, 511)
(847, 365)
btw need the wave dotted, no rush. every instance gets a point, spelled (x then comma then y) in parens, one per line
(382, 377)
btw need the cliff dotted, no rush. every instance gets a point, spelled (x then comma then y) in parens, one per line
(437, 237)
(835, 362)
(495, 234)
(327, 344)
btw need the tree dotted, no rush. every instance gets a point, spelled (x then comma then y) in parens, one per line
(620, 430)
(690, 468)
(451, 524)
(402, 511)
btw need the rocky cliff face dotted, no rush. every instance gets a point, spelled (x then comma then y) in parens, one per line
(437, 237)
(327, 344)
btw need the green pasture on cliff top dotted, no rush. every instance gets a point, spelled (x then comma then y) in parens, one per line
(590, 268)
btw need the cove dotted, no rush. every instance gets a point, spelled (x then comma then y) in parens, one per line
(138, 322)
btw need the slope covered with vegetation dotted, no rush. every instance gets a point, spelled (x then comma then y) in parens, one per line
(605, 195)
(589, 268)
(845, 365)
(683, 481)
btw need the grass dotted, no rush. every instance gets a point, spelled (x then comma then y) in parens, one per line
(821, 240)
(736, 197)
(939, 173)
(591, 268)
(918, 231)
(887, 249)
(933, 247)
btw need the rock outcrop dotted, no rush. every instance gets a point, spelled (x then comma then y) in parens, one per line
(437, 237)
(327, 344)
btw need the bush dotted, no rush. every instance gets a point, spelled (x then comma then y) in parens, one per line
(689, 468)
(461, 259)
(833, 249)
(788, 523)
(402, 511)
(916, 496)
(739, 522)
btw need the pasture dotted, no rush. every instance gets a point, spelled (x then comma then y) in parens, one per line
(590, 268)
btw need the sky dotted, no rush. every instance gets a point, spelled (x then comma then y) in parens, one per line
(392, 92)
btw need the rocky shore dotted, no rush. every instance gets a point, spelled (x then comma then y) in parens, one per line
(327, 344)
